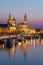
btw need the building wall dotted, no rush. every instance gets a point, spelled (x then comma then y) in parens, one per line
(41, 31)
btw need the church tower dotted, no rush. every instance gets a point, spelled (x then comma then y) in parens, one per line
(9, 20)
(25, 19)
(9, 17)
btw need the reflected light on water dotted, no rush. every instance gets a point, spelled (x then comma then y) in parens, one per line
(31, 41)
(34, 43)
(3, 46)
(19, 44)
(28, 50)
(25, 48)
(12, 51)
(41, 41)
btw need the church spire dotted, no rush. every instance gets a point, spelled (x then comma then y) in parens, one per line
(9, 19)
(9, 16)
(25, 19)
(25, 15)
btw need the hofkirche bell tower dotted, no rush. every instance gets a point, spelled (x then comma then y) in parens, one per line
(9, 16)
(25, 19)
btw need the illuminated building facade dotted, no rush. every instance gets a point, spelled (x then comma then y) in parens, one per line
(11, 24)
(41, 31)
(9, 27)
(23, 27)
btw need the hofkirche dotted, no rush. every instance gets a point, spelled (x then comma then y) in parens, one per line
(23, 28)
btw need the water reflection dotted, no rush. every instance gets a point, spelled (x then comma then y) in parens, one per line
(2, 47)
(24, 45)
(11, 51)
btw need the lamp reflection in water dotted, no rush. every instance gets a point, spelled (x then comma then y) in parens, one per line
(2, 47)
(31, 41)
(11, 52)
(25, 48)
(41, 40)
(19, 44)
(37, 41)
(34, 43)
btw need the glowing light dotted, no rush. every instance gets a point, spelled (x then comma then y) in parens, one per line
(3, 46)
(13, 50)
(19, 44)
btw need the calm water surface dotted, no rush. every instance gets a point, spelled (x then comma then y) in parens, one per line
(29, 52)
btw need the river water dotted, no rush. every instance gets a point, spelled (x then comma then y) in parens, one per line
(28, 52)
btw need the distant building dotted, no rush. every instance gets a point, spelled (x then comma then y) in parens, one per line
(3, 28)
(41, 30)
(9, 27)
(23, 27)
(12, 24)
